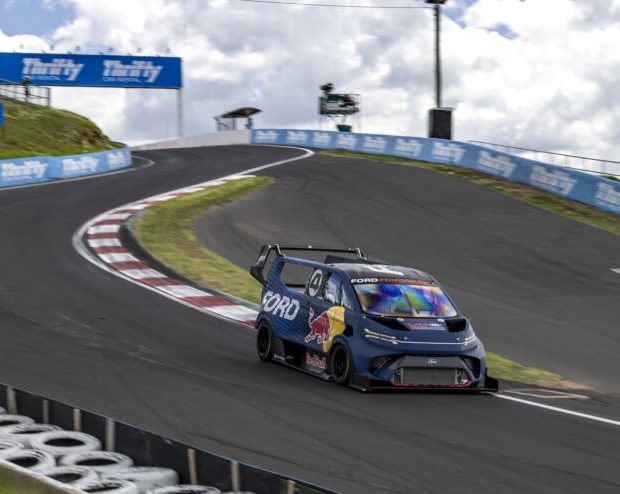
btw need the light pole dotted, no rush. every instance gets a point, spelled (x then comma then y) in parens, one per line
(437, 11)
(440, 119)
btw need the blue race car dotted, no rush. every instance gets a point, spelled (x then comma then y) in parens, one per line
(364, 324)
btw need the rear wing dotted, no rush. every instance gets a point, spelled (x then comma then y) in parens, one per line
(256, 270)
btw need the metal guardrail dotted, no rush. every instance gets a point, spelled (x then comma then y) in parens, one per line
(592, 165)
(30, 93)
(193, 465)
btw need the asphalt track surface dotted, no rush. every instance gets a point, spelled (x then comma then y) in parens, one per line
(78, 334)
(538, 286)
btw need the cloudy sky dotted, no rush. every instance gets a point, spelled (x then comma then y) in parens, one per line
(536, 73)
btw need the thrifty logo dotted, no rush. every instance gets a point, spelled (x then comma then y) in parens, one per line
(59, 69)
(136, 71)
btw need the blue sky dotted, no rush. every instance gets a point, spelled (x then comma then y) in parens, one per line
(37, 17)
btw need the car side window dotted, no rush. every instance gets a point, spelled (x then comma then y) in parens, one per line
(333, 289)
(346, 302)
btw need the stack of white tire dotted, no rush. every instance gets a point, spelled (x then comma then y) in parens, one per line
(76, 459)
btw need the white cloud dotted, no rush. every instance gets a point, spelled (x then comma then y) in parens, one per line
(525, 72)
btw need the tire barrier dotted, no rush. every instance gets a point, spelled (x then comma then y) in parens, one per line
(37, 461)
(112, 487)
(8, 446)
(100, 461)
(145, 478)
(185, 489)
(600, 192)
(23, 171)
(164, 466)
(60, 443)
(8, 421)
(24, 433)
(77, 477)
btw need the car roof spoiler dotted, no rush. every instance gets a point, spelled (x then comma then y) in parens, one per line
(256, 270)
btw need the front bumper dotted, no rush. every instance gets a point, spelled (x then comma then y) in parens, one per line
(412, 372)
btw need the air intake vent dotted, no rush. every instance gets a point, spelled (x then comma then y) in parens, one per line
(457, 324)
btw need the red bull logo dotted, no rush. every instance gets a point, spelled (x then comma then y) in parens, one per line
(325, 326)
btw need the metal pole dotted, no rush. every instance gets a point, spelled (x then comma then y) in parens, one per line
(180, 113)
(437, 11)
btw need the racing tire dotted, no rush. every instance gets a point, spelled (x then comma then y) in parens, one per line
(61, 443)
(76, 477)
(37, 461)
(8, 446)
(12, 420)
(340, 365)
(264, 342)
(111, 487)
(24, 433)
(99, 461)
(185, 489)
(145, 478)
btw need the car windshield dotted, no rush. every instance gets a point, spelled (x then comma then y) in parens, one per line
(404, 300)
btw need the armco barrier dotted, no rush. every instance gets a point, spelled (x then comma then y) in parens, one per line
(193, 465)
(21, 171)
(584, 187)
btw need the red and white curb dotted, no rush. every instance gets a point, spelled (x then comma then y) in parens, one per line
(102, 237)
(98, 242)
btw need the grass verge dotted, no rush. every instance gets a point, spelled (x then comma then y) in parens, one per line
(572, 209)
(34, 130)
(166, 230)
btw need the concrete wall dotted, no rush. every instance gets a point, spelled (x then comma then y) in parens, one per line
(213, 139)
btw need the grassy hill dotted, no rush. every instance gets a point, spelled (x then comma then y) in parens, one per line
(33, 130)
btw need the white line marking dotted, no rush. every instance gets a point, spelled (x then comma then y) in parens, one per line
(235, 311)
(104, 229)
(118, 257)
(183, 291)
(118, 216)
(104, 242)
(547, 394)
(164, 198)
(560, 410)
(81, 248)
(616, 270)
(142, 274)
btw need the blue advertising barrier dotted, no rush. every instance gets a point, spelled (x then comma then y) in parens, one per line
(50, 69)
(581, 186)
(21, 171)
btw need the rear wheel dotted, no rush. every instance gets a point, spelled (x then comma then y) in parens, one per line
(341, 365)
(264, 342)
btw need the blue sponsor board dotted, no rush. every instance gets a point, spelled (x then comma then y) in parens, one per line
(574, 184)
(1, 114)
(21, 171)
(91, 70)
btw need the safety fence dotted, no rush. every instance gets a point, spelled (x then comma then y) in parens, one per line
(583, 163)
(20, 171)
(584, 187)
(192, 465)
(40, 95)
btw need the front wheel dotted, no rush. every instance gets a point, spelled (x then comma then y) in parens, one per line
(264, 342)
(341, 365)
